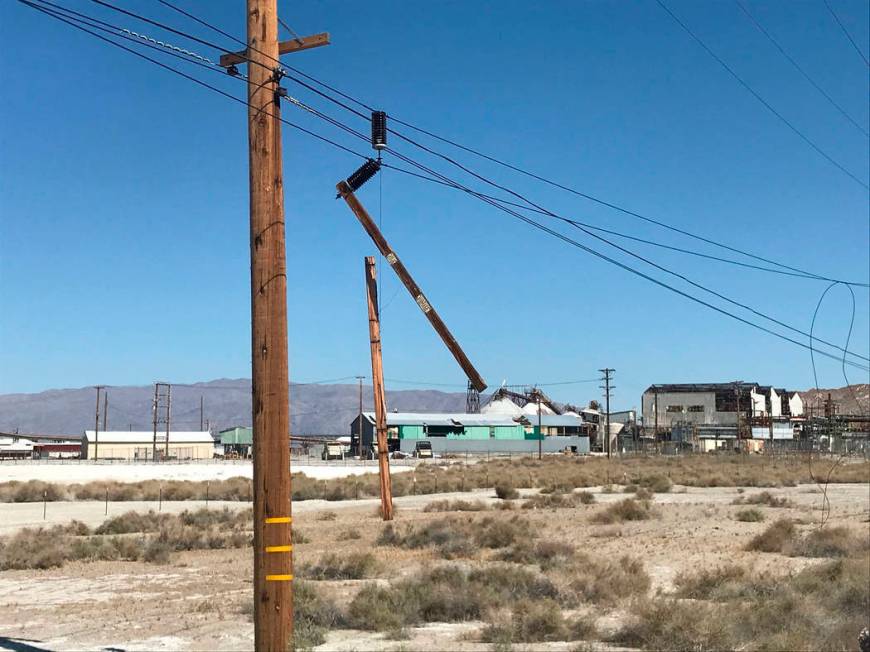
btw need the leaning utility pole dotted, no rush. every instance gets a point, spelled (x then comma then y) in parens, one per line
(607, 387)
(359, 423)
(97, 423)
(378, 388)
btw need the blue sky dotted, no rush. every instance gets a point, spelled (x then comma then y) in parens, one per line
(123, 195)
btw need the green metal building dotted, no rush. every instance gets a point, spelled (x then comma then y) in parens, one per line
(238, 440)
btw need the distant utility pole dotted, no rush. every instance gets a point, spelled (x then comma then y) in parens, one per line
(201, 413)
(360, 420)
(378, 388)
(607, 387)
(270, 383)
(105, 411)
(540, 432)
(99, 388)
(160, 413)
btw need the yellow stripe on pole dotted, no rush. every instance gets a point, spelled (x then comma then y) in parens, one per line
(279, 578)
(278, 519)
(279, 548)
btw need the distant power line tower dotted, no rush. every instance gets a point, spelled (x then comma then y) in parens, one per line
(472, 400)
(161, 411)
(607, 387)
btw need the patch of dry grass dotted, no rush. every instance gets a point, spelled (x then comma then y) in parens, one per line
(546, 554)
(764, 498)
(452, 537)
(156, 536)
(342, 566)
(445, 594)
(625, 510)
(456, 506)
(750, 515)
(606, 582)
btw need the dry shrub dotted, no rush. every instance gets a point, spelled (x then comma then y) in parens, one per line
(453, 537)
(643, 493)
(625, 510)
(327, 516)
(31, 491)
(586, 497)
(133, 522)
(775, 538)
(545, 554)
(445, 594)
(763, 498)
(506, 491)
(351, 535)
(530, 622)
(455, 506)
(343, 566)
(669, 625)
(550, 501)
(608, 582)
(34, 548)
(829, 542)
(750, 515)
(822, 607)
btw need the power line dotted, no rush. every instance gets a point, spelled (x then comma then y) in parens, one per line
(495, 202)
(369, 108)
(619, 234)
(492, 202)
(185, 75)
(758, 97)
(798, 67)
(846, 32)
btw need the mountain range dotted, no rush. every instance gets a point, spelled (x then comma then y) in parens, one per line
(315, 409)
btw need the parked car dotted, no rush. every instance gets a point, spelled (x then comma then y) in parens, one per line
(423, 449)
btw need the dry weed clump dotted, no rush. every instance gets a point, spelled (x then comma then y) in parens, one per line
(625, 510)
(585, 497)
(445, 594)
(506, 491)
(533, 622)
(344, 566)
(456, 506)
(750, 515)
(156, 535)
(313, 616)
(452, 537)
(764, 498)
(546, 554)
(550, 501)
(822, 607)
(775, 538)
(607, 582)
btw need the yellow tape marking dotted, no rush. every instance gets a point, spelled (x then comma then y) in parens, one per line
(279, 578)
(278, 519)
(279, 548)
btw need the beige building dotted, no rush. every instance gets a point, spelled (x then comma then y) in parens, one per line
(139, 445)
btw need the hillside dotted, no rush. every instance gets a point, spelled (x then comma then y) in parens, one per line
(853, 399)
(316, 409)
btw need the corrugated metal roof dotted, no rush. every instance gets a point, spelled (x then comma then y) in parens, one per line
(443, 419)
(147, 436)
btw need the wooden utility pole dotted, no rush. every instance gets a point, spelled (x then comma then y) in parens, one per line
(97, 424)
(540, 432)
(154, 424)
(105, 411)
(270, 386)
(168, 419)
(201, 413)
(378, 387)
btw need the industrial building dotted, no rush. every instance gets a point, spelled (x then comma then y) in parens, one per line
(475, 433)
(715, 415)
(237, 441)
(139, 445)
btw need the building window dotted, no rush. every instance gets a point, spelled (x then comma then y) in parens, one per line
(675, 408)
(695, 408)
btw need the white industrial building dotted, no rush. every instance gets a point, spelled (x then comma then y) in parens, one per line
(141, 445)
